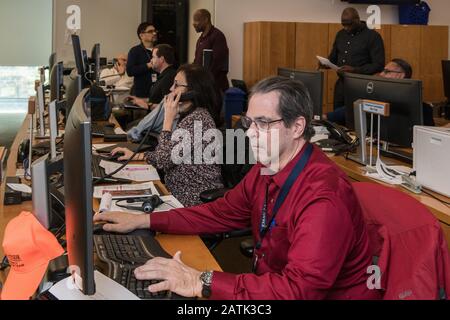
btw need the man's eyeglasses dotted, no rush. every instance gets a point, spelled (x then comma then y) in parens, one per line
(261, 125)
(176, 85)
(150, 31)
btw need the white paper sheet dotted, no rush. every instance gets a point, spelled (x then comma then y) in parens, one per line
(119, 131)
(96, 147)
(137, 172)
(170, 203)
(20, 173)
(106, 289)
(20, 187)
(100, 190)
(328, 63)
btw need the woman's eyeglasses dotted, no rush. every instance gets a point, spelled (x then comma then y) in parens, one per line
(176, 85)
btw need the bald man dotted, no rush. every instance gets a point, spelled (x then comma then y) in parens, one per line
(212, 39)
(357, 49)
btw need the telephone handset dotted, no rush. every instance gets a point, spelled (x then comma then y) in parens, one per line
(336, 133)
(188, 96)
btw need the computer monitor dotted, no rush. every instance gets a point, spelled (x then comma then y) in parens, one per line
(78, 194)
(95, 58)
(313, 80)
(404, 96)
(56, 82)
(82, 67)
(74, 88)
(85, 59)
(446, 77)
(51, 60)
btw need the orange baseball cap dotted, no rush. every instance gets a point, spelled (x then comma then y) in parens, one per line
(29, 248)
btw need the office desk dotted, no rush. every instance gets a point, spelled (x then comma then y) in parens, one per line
(439, 210)
(194, 252)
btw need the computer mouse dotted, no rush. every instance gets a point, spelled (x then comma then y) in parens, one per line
(98, 227)
(116, 156)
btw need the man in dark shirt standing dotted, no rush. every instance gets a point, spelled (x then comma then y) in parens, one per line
(357, 49)
(212, 39)
(139, 63)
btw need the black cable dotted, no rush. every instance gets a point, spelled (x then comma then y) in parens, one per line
(433, 196)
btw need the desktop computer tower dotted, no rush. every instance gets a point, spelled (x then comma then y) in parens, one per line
(171, 19)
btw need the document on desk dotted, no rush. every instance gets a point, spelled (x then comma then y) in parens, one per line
(127, 190)
(119, 130)
(327, 63)
(170, 203)
(133, 172)
(105, 289)
(19, 187)
(96, 147)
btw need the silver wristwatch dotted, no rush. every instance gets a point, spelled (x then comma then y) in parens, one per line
(206, 280)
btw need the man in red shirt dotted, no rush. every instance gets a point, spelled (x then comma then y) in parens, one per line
(212, 39)
(314, 247)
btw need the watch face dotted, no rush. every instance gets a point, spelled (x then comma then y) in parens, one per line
(206, 292)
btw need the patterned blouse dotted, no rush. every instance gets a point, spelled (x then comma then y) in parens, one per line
(185, 178)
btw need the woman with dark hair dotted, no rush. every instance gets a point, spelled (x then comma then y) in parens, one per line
(185, 179)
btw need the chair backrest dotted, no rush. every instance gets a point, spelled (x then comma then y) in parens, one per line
(234, 171)
(408, 243)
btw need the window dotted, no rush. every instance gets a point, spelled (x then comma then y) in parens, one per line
(16, 86)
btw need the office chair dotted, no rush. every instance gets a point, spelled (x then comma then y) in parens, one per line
(232, 174)
(407, 244)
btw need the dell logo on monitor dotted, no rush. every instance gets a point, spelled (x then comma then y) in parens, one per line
(370, 87)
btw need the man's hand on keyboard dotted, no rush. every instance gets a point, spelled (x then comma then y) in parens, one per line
(120, 222)
(175, 275)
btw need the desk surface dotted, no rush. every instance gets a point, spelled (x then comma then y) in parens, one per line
(194, 251)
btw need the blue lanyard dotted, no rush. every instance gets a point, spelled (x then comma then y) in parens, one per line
(299, 167)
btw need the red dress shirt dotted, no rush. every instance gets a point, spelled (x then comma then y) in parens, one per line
(318, 248)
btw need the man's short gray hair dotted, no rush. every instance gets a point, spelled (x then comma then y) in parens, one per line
(294, 101)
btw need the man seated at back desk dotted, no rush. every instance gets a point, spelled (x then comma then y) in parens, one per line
(314, 247)
(163, 60)
(395, 69)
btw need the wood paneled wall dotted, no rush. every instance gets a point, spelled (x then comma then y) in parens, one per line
(269, 45)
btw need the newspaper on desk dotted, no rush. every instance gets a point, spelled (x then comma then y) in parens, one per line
(133, 172)
(127, 190)
(105, 289)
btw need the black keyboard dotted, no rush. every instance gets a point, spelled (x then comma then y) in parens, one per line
(124, 275)
(123, 254)
(100, 130)
(99, 173)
